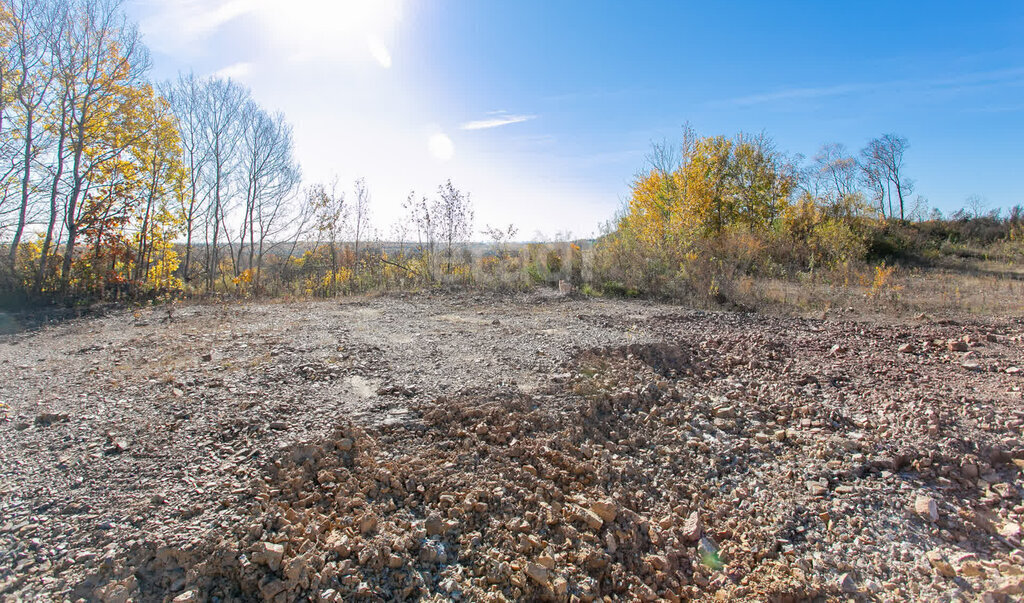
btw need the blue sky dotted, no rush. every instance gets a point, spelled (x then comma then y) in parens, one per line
(544, 110)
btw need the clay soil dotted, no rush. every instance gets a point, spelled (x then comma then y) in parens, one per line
(466, 447)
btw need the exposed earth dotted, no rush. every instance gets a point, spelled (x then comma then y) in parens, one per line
(489, 448)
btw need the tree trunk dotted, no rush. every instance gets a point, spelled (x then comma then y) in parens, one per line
(70, 218)
(212, 264)
(899, 193)
(25, 179)
(44, 258)
(190, 219)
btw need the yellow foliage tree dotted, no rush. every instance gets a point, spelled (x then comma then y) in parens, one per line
(163, 258)
(135, 213)
(719, 184)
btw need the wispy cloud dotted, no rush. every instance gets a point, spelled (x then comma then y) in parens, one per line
(205, 18)
(799, 94)
(495, 122)
(959, 83)
(1011, 108)
(602, 94)
(237, 71)
(378, 51)
(181, 26)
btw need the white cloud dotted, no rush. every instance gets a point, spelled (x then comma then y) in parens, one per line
(496, 122)
(441, 147)
(180, 26)
(207, 21)
(238, 71)
(378, 50)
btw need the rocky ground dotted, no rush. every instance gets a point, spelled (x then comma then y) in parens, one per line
(485, 448)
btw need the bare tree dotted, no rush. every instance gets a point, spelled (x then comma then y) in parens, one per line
(269, 173)
(360, 214)
(882, 161)
(920, 210)
(872, 176)
(664, 158)
(400, 235)
(455, 220)
(242, 173)
(272, 185)
(9, 57)
(223, 102)
(500, 240)
(500, 237)
(31, 23)
(836, 171)
(976, 204)
(186, 99)
(422, 215)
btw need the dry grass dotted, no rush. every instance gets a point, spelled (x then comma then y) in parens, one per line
(978, 289)
(998, 290)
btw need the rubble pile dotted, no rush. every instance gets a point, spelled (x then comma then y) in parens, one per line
(616, 481)
(498, 451)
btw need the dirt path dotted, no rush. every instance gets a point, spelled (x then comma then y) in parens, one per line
(479, 447)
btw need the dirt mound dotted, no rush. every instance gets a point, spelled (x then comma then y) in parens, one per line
(574, 491)
(668, 360)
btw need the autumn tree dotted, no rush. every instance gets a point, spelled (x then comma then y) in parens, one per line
(330, 218)
(103, 172)
(762, 181)
(423, 216)
(160, 190)
(719, 183)
(102, 64)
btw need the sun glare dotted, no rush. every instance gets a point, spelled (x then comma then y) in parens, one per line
(329, 27)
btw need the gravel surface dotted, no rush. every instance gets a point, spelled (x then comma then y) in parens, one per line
(492, 448)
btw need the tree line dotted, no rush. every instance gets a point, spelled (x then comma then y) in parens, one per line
(86, 143)
(711, 209)
(112, 185)
(876, 174)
